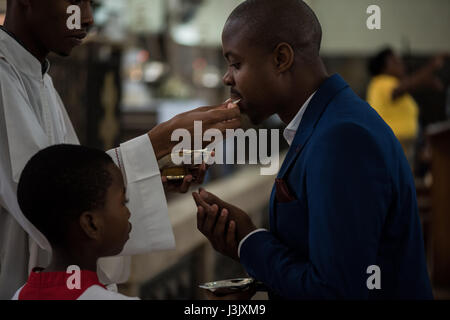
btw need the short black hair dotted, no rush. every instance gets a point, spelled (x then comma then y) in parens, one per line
(61, 182)
(270, 22)
(378, 62)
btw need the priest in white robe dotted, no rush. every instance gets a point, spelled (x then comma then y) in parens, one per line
(32, 117)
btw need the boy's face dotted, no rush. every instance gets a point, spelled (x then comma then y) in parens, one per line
(48, 20)
(251, 74)
(114, 215)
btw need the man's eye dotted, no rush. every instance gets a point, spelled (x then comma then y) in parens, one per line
(235, 65)
(126, 201)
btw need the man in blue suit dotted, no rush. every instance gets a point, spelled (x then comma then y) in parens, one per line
(343, 212)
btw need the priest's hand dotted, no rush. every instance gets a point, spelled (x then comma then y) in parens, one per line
(184, 185)
(222, 223)
(222, 117)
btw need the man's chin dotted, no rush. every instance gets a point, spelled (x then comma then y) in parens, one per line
(255, 120)
(63, 53)
(254, 117)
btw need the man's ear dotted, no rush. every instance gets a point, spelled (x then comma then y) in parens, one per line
(284, 57)
(91, 224)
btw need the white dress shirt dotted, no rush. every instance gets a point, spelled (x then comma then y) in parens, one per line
(292, 127)
(289, 135)
(33, 117)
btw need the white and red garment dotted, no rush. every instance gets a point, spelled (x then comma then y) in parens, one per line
(33, 117)
(53, 286)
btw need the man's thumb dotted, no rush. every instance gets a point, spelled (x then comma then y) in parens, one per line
(208, 197)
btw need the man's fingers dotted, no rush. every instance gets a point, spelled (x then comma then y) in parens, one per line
(230, 124)
(219, 231)
(201, 173)
(210, 198)
(168, 187)
(222, 106)
(231, 235)
(186, 184)
(164, 181)
(220, 115)
(205, 109)
(200, 218)
(199, 201)
(210, 221)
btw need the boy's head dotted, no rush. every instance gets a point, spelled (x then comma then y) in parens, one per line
(386, 61)
(46, 22)
(76, 197)
(272, 48)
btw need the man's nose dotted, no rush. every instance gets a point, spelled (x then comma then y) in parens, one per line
(228, 79)
(87, 18)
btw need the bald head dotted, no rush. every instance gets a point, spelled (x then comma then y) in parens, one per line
(267, 23)
(272, 50)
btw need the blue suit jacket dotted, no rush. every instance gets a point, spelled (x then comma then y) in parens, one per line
(355, 207)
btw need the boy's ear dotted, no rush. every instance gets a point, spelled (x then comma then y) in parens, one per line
(91, 224)
(283, 57)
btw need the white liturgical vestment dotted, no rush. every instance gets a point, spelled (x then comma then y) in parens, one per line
(33, 117)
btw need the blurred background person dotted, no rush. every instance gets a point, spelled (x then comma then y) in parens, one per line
(389, 94)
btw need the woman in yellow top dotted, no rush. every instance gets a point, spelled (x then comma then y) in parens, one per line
(388, 94)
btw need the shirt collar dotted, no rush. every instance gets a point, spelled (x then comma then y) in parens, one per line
(16, 53)
(292, 127)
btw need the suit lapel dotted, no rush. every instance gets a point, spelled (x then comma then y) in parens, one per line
(272, 212)
(327, 91)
